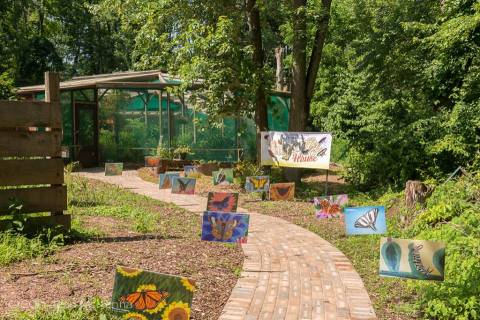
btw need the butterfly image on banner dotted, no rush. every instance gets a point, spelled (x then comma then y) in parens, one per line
(139, 294)
(330, 207)
(113, 169)
(222, 177)
(225, 227)
(282, 191)
(413, 259)
(257, 184)
(365, 220)
(183, 185)
(165, 179)
(222, 201)
(191, 171)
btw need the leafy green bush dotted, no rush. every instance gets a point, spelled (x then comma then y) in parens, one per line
(452, 215)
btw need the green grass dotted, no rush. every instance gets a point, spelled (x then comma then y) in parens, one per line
(91, 310)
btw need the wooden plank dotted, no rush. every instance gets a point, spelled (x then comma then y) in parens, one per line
(44, 199)
(29, 144)
(35, 224)
(30, 114)
(28, 172)
(52, 87)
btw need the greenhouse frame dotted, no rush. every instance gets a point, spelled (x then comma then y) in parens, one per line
(126, 116)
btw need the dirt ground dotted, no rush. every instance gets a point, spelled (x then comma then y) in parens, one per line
(84, 270)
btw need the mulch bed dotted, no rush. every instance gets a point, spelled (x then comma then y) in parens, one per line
(84, 270)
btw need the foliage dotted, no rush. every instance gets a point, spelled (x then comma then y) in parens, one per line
(452, 216)
(182, 149)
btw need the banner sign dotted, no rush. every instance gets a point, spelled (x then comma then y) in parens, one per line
(296, 149)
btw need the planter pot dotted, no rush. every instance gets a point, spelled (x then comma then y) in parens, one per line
(152, 161)
(207, 168)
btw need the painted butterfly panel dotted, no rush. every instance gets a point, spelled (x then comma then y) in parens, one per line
(165, 179)
(225, 227)
(257, 184)
(413, 259)
(365, 220)
(222, 177)
(222, 201)
(183, 185)
(139, 294)
(191, 171)
(330, 207)
(282, 191)
(113, 169)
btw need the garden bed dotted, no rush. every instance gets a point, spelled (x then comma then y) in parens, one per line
(115, 227)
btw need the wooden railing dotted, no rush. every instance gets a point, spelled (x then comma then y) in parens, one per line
(31, 167)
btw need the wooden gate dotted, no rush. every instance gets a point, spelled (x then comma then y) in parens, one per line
(31, 167)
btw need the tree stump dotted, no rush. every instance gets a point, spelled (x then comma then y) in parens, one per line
(415, 192)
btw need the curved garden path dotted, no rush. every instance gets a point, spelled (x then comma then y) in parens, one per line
(288, 272)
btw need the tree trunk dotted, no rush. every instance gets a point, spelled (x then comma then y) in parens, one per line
(279, 71)
(317, 51)
(416, 192)
(261, 116)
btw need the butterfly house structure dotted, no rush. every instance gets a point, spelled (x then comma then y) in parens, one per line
(123, 117)
(31, 167)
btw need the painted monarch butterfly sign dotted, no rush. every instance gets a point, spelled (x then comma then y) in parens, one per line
(113, 169)
(330, 207)
(225, 227)
(222, 177)
(296, 149)
(183, 185)
(414, 259)
(222, 201)
(139, 294)
(282, 191)
(365, 220)
(257, 184)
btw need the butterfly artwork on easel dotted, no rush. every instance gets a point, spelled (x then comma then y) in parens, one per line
(282, 191)
(165, 179)
(330, 206)
(222, 177)
(365, 220)
(257, 184)
(183, 185)
(225, 227)
(222, 201)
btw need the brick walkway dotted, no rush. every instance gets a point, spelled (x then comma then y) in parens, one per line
(288, 272)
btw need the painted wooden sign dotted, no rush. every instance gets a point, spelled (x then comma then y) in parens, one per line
(144, 295)
(225, 227)
(191, 171)
(222, 201)
(296, 149)
(257, 184)
(165, 179)
(282, 191)
(113, 169)
(414, 259)
(330, 206)
(222, 177)
(365, 220)
(183, 185)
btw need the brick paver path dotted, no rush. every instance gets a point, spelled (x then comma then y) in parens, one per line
(288, 272)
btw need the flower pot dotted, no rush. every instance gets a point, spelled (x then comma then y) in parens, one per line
(152, 161)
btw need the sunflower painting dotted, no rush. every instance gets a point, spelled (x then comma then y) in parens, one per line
(222, 201)
(282, 191)
(113, 169)
(144, 295)
(225, 227)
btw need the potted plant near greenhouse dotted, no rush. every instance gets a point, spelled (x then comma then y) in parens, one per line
(155, 160)
(182, 151)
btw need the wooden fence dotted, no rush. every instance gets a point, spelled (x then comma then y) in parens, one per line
(31, 167)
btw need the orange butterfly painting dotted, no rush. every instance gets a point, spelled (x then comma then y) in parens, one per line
(145, 299)
(282, 191)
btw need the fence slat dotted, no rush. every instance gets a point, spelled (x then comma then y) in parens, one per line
(30, 144)
(28, 172)
(35, 224)
(44, 199)
(30, 114)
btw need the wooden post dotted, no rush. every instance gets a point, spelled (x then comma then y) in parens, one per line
(52, 95)
(326, 184)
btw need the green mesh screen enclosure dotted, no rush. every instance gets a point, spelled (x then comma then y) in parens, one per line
(132, 124)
